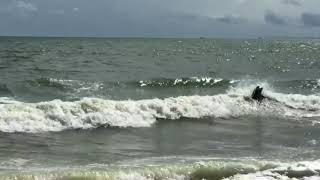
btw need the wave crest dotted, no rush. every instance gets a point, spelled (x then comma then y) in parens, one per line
(93, 112)
(88, 113)
(226, 170)
(187, 82)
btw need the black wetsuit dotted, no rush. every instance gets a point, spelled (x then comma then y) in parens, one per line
(257, 94)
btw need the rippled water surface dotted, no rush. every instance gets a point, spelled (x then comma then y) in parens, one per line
(91, 108)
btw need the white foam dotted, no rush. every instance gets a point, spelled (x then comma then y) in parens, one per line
(15, 163)
(259, 176)
(7, 100)
(79, 86)
(308, 170)
(297, 104)
(62, 81)
(201, 80)
(94, 112)
(308, 102)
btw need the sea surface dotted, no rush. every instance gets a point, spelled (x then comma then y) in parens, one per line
(159, 109)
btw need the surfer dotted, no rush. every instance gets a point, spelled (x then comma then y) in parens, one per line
(257, 94)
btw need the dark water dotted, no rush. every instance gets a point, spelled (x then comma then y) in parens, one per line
(86, 108)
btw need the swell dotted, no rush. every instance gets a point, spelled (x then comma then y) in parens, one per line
(164, 82)
(192, 82)
(51, 83)
(42, 89)
(5, 91)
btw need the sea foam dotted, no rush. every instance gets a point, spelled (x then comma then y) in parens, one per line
(89, 113)
(94, 112)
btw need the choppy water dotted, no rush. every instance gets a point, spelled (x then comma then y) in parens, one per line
(81, 108)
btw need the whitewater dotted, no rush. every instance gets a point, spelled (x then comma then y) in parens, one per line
(88, 113)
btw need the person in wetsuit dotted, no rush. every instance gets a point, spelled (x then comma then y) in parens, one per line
(257, 94)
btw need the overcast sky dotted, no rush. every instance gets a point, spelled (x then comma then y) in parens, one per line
(158, 18)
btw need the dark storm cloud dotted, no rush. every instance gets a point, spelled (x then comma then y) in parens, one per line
(309, 19)
(272, 18)
(292, 2)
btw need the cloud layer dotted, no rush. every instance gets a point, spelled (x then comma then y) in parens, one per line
(240, 18)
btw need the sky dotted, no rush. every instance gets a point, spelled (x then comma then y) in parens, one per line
(160, 18)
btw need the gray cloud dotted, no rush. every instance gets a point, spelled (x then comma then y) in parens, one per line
(292, 2)
(57, 12)
(309, 19)
(26, 6)
(229, 19)
(271, 18)
(17, 8)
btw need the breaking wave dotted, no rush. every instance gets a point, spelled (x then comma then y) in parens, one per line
(211, 170)
(93, 112)
(89, 113)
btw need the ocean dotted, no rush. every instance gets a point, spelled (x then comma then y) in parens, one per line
(159, 109)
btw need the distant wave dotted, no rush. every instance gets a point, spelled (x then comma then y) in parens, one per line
(75, 89)
(89, 113)
(187, 82)
(69, 89)
(65, 84)
(51, 82)
(197, 82)
(177, 82)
